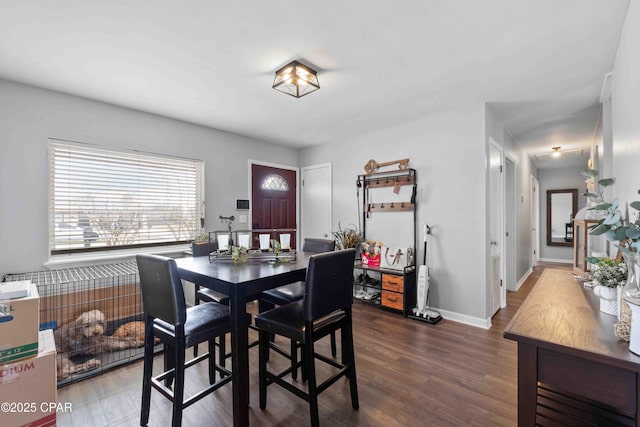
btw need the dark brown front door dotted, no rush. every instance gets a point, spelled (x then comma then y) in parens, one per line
(273, 198)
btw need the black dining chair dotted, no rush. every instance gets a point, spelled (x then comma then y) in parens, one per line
(209, 295)
(325, 308)
(178, 327)
(286, 294)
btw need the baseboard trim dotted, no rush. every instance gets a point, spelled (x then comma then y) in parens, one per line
(559, 261)
(523, 278)
(466, 319)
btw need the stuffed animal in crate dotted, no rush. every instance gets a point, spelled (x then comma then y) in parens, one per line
(85, 336)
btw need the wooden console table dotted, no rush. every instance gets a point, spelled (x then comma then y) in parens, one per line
(572, 370)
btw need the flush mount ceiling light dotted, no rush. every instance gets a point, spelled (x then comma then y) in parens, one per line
(296, 80)
(556, 152)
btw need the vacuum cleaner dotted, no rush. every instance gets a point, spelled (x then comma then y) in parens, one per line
(422, 311)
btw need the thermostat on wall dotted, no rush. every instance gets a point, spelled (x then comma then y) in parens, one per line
(242, 204)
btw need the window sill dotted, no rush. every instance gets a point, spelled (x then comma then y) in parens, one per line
(79, 260)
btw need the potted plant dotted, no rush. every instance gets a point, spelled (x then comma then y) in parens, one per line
(200, 246)
(348, 238)
(609, 276)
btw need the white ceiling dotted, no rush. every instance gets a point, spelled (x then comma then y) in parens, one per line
(539, 63)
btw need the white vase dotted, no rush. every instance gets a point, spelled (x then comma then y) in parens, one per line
(634, 341)
(609, 301)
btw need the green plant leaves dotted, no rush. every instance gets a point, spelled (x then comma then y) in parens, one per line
(607, 182)
(592, 260)
(600, 229)
(589, 173)
(621, 233)
(589, 195)
(602, 207)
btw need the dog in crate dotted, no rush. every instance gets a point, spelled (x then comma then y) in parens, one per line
(85, 336)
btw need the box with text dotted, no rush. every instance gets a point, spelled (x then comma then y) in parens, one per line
(28, 387)
(19, 323)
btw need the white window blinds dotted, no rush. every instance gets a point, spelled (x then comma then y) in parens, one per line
(103, 199)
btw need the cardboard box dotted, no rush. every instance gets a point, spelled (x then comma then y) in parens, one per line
(28, 392)
(19, 324)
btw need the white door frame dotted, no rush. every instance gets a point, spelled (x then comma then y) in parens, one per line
(511, 210)
(250, 193)
(535, 222)
(501, 227)
(330, 207)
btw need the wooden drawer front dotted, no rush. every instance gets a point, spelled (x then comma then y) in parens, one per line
(602, 383)
(392, 299)
(393, 283)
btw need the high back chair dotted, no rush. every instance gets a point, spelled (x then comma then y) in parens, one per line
(177, 327)
(286, 294)
(325, 308)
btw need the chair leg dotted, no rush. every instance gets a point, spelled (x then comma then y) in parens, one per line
(212, 361)
(196, 301)
(178, 390)
(263, 348)
(222, 350)
(302, 358)
(169, 362)
(294, 359)
(348, 359)
(334, 351)
(146, 376)
(310, 369)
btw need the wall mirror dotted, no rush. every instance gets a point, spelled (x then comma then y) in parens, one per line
(562, 206)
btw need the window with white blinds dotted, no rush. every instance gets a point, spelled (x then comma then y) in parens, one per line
(102, 199)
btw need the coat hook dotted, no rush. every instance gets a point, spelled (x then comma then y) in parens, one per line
(382, 205)
(391, 205)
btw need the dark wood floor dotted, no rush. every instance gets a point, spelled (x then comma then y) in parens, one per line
(409, 373)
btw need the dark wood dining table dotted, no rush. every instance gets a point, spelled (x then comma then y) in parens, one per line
(243, 282)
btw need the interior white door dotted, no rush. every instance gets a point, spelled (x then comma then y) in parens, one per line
(316, 201)
(510, 223)
(496, 208)
(535, 222)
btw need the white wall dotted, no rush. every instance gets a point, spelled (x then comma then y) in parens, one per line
(448, 151)
(558, 179)
(524, 169)
(28, 116)
(626, 110)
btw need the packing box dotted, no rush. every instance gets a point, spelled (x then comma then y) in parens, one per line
(19, 324)
(28, 387)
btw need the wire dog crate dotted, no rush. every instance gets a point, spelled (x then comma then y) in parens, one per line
(65, 294)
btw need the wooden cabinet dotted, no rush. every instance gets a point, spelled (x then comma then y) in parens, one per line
(581, 244)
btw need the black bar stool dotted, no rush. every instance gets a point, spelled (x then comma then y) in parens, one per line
(286, 294)
(178, 327)
(325, 308)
